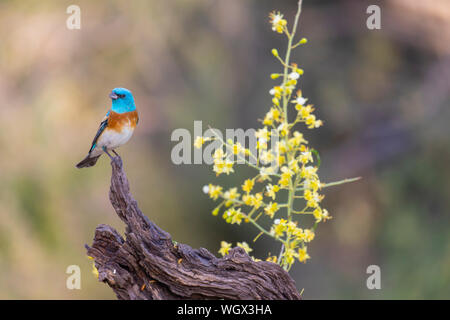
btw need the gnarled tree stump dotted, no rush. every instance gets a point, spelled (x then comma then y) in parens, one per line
(147, 264)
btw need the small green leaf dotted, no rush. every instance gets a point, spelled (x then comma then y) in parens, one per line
(316, 153)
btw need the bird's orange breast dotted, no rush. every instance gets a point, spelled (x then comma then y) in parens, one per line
(117, 121)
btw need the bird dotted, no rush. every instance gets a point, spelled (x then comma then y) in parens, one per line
(116, 128)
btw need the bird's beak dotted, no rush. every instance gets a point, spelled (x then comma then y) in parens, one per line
(113, 96)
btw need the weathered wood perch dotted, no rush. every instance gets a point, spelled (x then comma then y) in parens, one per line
(148, 265)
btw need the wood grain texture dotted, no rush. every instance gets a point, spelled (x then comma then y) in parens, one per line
(148, 265)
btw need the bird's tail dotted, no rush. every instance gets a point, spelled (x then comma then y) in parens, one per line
(87, 162)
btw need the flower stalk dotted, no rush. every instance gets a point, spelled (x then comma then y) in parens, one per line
(297, 178)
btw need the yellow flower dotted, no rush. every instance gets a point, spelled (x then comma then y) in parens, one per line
(224, 248)
(317, 213)
(282, 147)
(231, 194)
(278, 227)
(279, 230)
(305, 111)
(309, 172)
(276, 101)
(218, 154)
(272, 259)
(299, 101)
(289, 255)
(273, 114)
(262, 134)
(325, 215)
(214, 191)
(257, 200)
(283, 129)
(288, 87)
(248, 185)
(265, 172)
(276, 92)
(237, 148)
(267, 156)
(296, 140)
(221, 165)
(244, 246)
(310, 121)
(303, 255)
(312, 198)
(311, 184)
(277, 21)
(309, 235)
(272, 190)
(298, 234)
(261, 144)
(293, 165)
(233, 216)
(247, 199)
(305, 157)
(199, 141)
(271, 208)
(291, 227)
(228, 167)
(218, 166)
(267, 121)
(285, 177)
(253, 200)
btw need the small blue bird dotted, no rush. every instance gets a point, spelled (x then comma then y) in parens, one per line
(116, 128)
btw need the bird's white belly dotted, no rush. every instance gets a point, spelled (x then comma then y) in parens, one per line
(112, 139)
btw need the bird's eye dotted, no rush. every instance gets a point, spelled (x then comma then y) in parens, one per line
(121, 95)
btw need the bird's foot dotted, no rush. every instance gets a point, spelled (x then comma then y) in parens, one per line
(116, 160)
(106, 151)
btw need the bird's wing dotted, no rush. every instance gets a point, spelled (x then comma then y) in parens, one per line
(102, 127)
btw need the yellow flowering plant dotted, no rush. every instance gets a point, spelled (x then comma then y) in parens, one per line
(297, 180)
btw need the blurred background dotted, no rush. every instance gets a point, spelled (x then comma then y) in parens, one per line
(383, 95)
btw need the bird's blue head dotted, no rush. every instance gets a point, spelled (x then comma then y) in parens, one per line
(122, 100)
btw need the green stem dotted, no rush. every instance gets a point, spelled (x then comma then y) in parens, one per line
(335, 183)
(286, 97)
(288, 55)
(330, 184)
(261, 228)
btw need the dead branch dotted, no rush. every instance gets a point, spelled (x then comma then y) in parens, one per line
(147, 264)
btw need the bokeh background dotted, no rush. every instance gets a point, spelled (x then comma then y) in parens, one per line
(383, 94)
